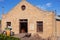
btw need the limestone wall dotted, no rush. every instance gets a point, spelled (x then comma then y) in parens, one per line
(33, 14)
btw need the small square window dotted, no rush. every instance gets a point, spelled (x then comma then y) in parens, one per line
(9, 25)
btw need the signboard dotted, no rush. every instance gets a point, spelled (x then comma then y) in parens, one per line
(31, 26)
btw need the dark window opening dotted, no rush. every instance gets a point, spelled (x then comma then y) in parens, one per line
(9, 25)
(39, 26)
(23, 7)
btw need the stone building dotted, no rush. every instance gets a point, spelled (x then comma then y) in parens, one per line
(58, 27)
(26, 18)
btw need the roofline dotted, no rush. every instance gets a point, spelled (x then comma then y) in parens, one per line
(57, 19)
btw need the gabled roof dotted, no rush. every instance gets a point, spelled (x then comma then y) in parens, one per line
(17, 7)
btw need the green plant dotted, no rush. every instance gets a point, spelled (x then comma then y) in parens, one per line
(4, 37)
(1, 38)
(7, 28)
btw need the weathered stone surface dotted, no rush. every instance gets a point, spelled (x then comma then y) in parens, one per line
(33, 14)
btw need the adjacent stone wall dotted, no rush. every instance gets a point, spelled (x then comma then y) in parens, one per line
(58, 28)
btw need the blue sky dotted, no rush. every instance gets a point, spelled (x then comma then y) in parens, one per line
(49, 5)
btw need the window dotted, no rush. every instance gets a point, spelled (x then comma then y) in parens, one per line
(23, 7)
(8, 24)
(39, 26)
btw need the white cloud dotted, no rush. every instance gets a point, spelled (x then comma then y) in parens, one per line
(48, 4)
(45, 6)
(42, 7)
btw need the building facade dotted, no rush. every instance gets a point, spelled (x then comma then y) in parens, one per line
(26, 18)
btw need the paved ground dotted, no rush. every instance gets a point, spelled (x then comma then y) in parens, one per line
(35, 37)
(22, 37)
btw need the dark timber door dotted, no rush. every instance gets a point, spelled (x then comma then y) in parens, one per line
(23, 26)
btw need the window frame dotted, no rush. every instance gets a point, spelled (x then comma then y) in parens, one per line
(39, 26)
(8, 24)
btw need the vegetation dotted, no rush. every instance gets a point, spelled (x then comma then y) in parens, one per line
(7, 28)
(4, 37)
